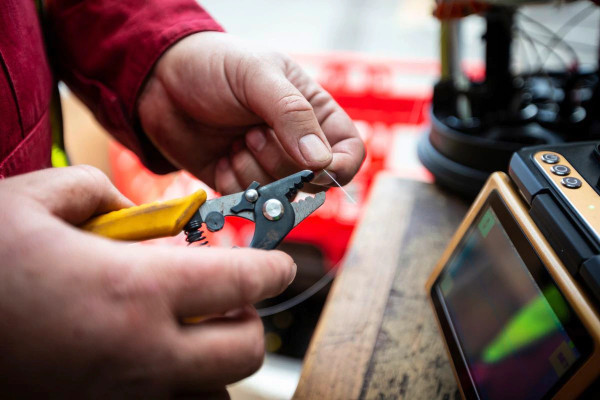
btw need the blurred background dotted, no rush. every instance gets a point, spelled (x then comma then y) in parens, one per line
(380, 59)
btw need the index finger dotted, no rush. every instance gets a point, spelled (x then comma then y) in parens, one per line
(346, 144)
(203, 281)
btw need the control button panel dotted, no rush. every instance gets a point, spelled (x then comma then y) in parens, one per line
(582, 198)
(571, 183)
(550, 158)
(560, 170)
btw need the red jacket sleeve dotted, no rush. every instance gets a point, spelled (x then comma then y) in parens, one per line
(104, 50)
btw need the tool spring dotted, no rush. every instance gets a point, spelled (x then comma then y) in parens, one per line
(194, 234)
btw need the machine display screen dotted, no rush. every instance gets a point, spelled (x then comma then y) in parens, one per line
(517, 335)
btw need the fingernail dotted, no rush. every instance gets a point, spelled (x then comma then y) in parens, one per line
(323, 179)
(256, 140)
(313, 149)
(223, 164)
(292, 274)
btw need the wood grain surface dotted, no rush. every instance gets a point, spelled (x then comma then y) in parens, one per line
(377, 337)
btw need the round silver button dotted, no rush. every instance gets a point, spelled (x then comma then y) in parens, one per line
(251, 195)
(272, 209)
(560, 170)
(550, 158)
(571, 183)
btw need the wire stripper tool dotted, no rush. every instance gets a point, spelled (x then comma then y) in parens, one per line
(270, 207)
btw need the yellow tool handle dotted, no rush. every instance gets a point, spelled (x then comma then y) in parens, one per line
(148, 221)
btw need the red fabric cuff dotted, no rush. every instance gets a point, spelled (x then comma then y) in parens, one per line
(104, 51)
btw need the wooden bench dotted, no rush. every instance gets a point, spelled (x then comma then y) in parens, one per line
(377, 337)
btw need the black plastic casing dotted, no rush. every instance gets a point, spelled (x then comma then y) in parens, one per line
(571, 239)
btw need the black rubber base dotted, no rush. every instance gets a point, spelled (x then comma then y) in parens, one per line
(462, 162)
(463, 180)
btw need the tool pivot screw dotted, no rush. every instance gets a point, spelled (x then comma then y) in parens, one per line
(272, 209)
(251, 195)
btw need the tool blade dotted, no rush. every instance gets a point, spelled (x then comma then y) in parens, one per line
(303, 208)
(223, 206)
(288, 186)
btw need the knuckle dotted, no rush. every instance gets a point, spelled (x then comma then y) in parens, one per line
(251, 63)
(277, 58)
(284, 57)
(295, 106)
(251, 282)
(90, 172)
(124, 285)
(95, 177)
(119, 287)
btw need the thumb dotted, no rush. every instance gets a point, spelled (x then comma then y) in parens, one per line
(275, 99)
(73, 194)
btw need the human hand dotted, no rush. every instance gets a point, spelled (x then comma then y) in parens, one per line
(231, 114)
(83, 316)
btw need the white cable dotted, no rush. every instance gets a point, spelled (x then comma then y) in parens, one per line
(340, 186)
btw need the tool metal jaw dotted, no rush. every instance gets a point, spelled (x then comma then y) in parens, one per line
(270, 207)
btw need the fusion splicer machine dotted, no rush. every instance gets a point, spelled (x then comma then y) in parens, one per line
(517, 291)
